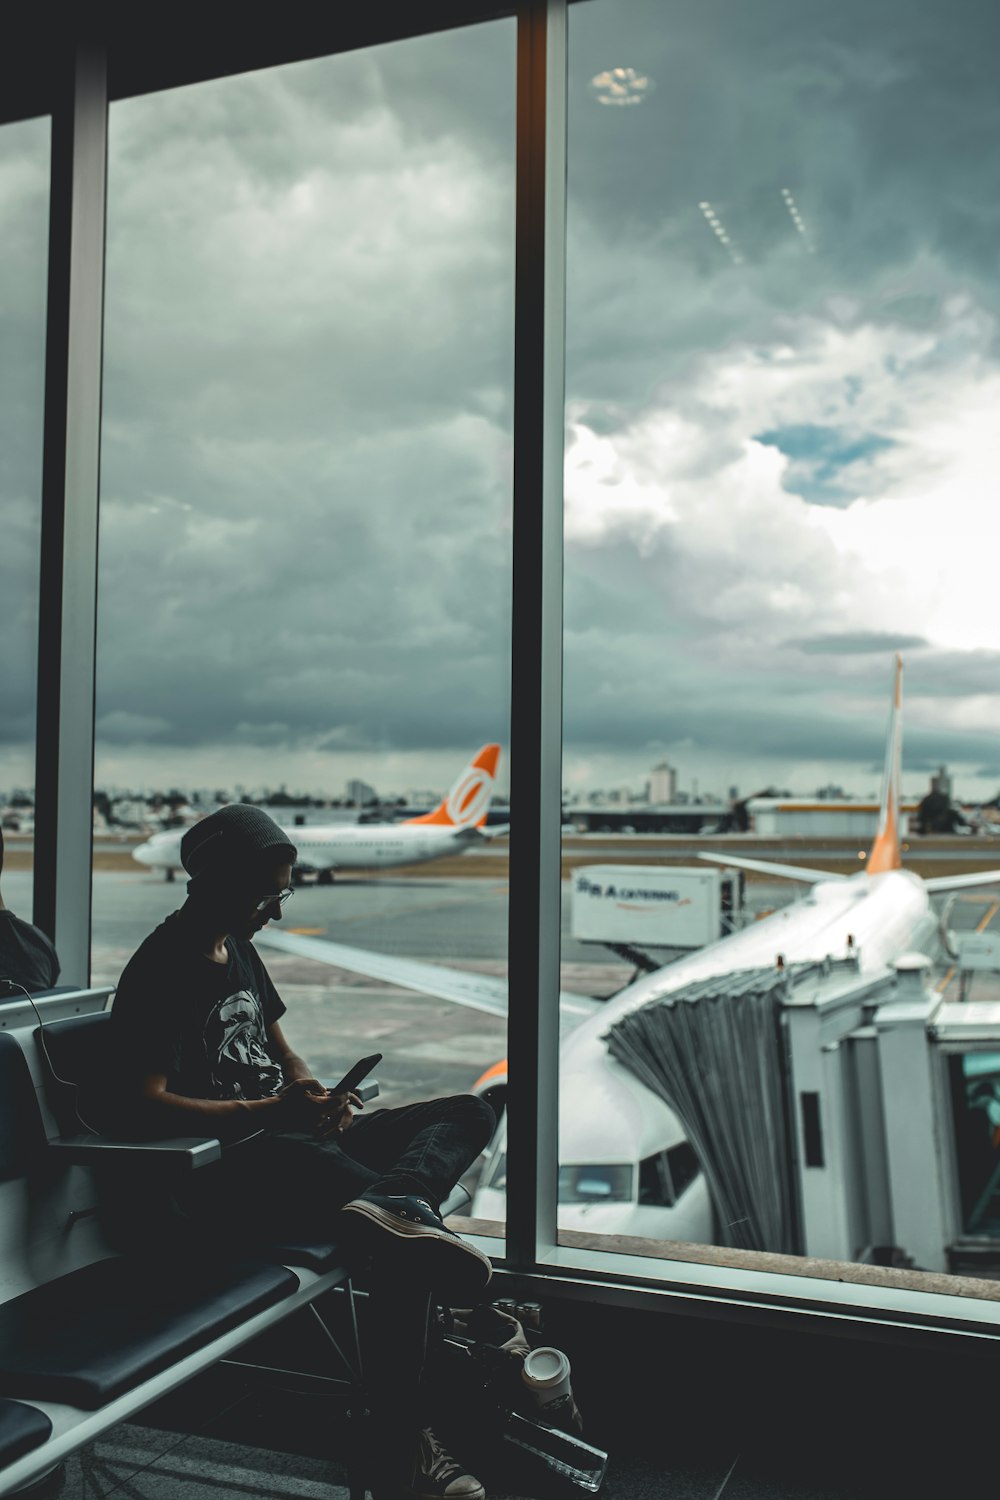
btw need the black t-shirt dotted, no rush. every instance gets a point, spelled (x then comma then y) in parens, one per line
(26, 955)
(201, 1023)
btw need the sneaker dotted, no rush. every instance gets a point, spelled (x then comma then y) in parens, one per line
(407, 1232)
(432, 1474)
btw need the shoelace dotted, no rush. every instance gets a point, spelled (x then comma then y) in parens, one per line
(441, 1464)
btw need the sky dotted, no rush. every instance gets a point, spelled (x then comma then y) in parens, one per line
(782, 372)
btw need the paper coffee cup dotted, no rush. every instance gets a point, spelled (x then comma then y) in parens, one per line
(546, 1374)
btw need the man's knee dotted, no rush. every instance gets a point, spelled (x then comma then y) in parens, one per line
(478, 1116)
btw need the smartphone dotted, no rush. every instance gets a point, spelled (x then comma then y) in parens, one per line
(354, 1075)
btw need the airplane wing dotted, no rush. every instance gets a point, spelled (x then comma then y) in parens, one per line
(938, 883)
(484, 992)
(769, 867)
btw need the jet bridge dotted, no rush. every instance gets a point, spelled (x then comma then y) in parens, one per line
(834, 1116)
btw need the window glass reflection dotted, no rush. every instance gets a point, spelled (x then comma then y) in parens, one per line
(24, 169)
(781, 358)
(305, 558)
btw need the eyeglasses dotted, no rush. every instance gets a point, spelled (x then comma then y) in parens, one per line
(278, 899)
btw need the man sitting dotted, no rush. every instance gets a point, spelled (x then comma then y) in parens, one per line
(27, 957)
(200, 1050)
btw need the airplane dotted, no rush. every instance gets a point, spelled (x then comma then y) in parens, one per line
(626, 1166)
(457, 823)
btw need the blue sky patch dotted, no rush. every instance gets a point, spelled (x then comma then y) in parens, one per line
(819, 458)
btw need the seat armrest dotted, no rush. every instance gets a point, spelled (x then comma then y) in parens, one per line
(185, 1152)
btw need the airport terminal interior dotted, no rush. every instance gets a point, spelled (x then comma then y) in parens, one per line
(608, 385)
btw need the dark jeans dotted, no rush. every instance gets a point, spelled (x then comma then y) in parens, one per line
(288, 1185)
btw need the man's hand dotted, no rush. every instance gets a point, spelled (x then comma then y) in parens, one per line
(306, 1105)
(301, 1105)
(339, 1114)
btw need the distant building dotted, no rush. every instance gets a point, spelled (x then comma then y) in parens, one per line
(941, 782)
(635, 817)
(129, 812)
(360, 794)
(662, 784)
(777, 817)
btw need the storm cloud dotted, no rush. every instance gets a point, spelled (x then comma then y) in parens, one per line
(781, 446)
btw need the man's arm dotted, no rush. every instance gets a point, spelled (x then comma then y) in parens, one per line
(293, 1068)
(336, 1111)
(298, 1107)
(219, 1117)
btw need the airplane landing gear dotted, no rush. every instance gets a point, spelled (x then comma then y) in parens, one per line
(325, 877)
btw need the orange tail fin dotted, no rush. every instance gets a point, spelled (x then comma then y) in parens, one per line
(885, 853)
(468, 802)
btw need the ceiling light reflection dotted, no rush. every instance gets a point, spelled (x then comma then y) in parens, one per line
(797, 220)
(722, 234)
(621, 86)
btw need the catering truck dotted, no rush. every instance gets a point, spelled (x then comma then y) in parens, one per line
(665, 906)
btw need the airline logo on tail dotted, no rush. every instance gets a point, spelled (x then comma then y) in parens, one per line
(467, 804)
(885, 852)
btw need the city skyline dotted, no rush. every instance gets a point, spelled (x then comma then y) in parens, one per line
(359, 792)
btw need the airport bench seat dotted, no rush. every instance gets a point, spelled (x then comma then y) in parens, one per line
(93, 1343)
(88, 1337)
(312, 1255)
(22, 1428)
(72, 1051)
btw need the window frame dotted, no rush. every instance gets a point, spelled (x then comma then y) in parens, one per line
(70, 77)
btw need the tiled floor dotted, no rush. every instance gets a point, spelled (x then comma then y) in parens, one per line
(143, 1462)
(148, 1463)
(709, 1414)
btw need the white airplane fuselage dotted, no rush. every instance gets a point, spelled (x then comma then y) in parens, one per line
(364, 846)
(324, 847)
(607, 1117)
(378, 846)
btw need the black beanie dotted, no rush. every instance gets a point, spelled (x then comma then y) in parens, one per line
(227, 839)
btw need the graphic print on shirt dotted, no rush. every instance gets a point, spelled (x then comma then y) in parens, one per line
(236, 1050)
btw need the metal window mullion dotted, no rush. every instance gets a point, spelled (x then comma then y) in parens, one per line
(536, 706)
(64, 760)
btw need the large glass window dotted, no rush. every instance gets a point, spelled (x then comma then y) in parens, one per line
(305, 522)
(782, 368)
(24, 197)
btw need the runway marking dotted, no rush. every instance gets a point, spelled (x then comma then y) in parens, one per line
(981, 927)
(989, 916)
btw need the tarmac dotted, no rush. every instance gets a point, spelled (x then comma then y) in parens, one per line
(334, 1016)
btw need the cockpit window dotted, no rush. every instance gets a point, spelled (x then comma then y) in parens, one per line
(654, 1181)
(684, 1167)
(607, 1183)
(665, 1175)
